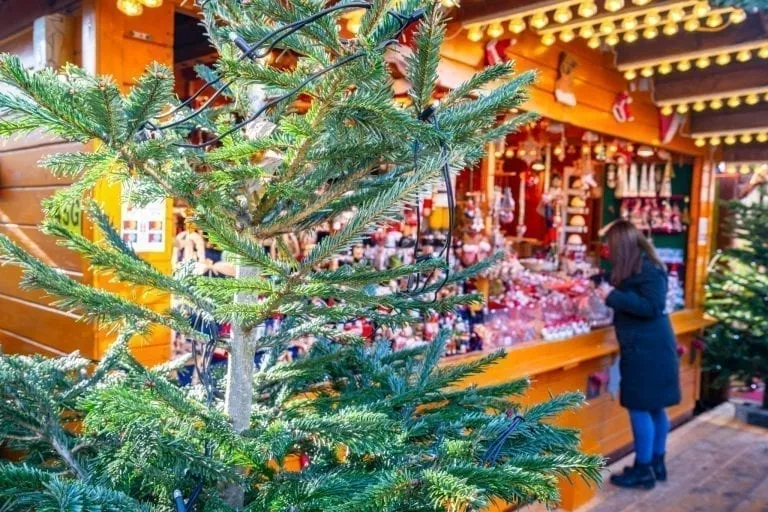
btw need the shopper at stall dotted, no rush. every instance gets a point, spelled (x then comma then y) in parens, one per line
(637, 290)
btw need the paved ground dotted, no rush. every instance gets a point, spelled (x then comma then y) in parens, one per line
(715, 464)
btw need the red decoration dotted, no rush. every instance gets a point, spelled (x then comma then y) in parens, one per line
(496, 51)
(621, 107)
(668, 126)
(304, 460)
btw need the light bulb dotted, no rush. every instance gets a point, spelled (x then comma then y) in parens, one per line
(734, 101)
(650, 32)
(670, 28)
(516, 25)
(676, 14)
(629, 23)
(699, 106)
(594, 43)
(653, 18)
(509, 153)
(646, 72)
(548, 39)
(714, 20)
(752, 99)
(761, 137)
(152, 3)
(448, 3)
(475, 33)
(730, 140)
(667, 110)
(539, 20)
(562, 14)
(731, 169)
(130, 7)
(716, 104)
(587, 31)
(765, 97)
(744, 168)
(682, 108)
(714, 141)
(611, 39)
(684, 65)
(743, 55)
(691, 25)
(567, 35)
(641, 2)
(607, 27)
(587, 9)
(630, 36)
(630, 74)
(701, 9)
(703, 62)
(723, 59)
(613, 5)
(665, 68)
(700, 143)
(746, 138)
(737, 16)
(495, 30)
(763, 52)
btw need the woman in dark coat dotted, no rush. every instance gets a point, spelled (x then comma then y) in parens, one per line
(648, 355)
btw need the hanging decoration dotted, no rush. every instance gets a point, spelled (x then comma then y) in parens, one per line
(496, 51)
(621, 109)
(564, 85)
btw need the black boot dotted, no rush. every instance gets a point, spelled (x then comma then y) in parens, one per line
(659, 469)
(639, 476)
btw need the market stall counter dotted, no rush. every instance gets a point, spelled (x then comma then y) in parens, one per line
(587, 363)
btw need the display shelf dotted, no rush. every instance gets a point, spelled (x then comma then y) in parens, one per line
(576, 229)
(577, 210)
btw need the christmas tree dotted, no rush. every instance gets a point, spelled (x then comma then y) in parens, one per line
(737, 295)
(350, 426)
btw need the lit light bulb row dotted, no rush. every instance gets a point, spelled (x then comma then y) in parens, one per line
(645, 23)
(743, 53)
(716, 102)
(537, 20)
(744, 168)
(731, 138)
(136, 7)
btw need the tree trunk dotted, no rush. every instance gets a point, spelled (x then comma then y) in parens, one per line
(239, 392)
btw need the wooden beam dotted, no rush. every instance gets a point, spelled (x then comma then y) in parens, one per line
(742, 119)
(17, 15)
(713, 81)
(754, 152)
(693, 44)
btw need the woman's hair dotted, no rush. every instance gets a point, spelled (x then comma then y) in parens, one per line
(626, 247)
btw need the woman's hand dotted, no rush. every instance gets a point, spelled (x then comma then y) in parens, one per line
(603, 290)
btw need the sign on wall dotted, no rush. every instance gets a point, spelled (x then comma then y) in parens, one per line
(143, 228)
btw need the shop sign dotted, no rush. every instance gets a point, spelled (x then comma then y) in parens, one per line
(143, 227)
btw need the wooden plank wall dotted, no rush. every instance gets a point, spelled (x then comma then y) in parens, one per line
(28, 323)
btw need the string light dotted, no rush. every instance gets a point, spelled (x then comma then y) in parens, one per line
(670, 28)
(761, 137)
(699, 143)
(752, 99)
(763, 52)
(691, 25)
(699, 106)
(562, 14)
(653, 18)
(594, 43)
(650, 32)
(130, 7)
(641, 3)
(629, 23)
(730, 140)
(744, 168)
(723, 59)
(745, 138)
(539, 20)
(667, 110)
(448, 3)
(607, 27)
(714, 141)
(630, 74)
(587, 31)
(714, 20)
(716, 104)
(495, 30)
(734, 101)
(475, 34)
(516, 25)
(548, 39)
(567, 35)
(676, 14)
(630, 36)
(613, 5)
(743, 55)
(587, 9)
(703, 62)
(737, 16)
(612, 40)
(152, 3)
(701, 9)
(682, 108)
(684, 65)
(646, 72)
(665, 68)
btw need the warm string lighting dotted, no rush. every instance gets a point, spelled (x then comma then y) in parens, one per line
(740, 53)
(136, 7)
(729, 139)
(716, 102)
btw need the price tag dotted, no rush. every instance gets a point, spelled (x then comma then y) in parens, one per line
(70, 217)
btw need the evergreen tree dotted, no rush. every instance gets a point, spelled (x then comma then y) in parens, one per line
(372, 429)
(737, 295)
